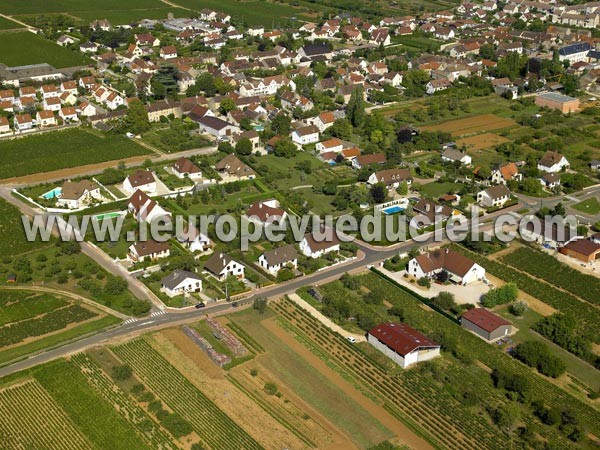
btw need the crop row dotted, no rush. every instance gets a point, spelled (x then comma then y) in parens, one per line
(95, 417)
(213, 426)
(38, 326)
(31, 419)
(444, 420)
(587, 316)
(548, 268)
(127, 407)
(28, 307)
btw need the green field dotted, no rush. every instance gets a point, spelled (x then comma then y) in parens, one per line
(23, 48)
(30, 321)
(59, 150)
(435, 189)
(590, 206)
(6, 24)
(10, 222)
(15, 7)
(252, 12)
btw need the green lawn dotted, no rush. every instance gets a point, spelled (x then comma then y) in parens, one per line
(11, 225)
(23, 48)
(14, 7)
(590, 206)
(62, 149)
(436, 189)
(7, 24)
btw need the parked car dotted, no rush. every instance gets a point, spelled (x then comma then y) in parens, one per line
(200, 305)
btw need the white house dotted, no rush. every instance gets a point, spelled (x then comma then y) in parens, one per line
(392, 178)
(222, 266)
(461, 270)
(113, 101)
(195, 241)
(148, 250)
(181, 282)
(330, 145)
(68, 114)
(553, 162)
(144, 209)
(183, 167)
(454, 155)
(74, 194)
(4, 125)
(45, 119)
(168, 52)
(142, 180)
(265, 212)
(436, 85)
(402, 344)
(506, 172)
(306, 135)
(495, 196)
(315, 245)
(23, 122)
(216, 127)
(278, 258)
(51, 104)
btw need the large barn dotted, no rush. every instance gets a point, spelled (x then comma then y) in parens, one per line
(403, 344)
(486, 324)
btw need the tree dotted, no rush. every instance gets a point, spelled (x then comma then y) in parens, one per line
(243, 147)
(270, 388)
(378, 192)
(121, 373)
(206, 84)
(285, 148)
(227, 104)
(260, 305)
(164, 82)
(115, 286)
(355, 111)
(342, 129)
(403, 188)
(506, 416)
(281, 124)
(536, 354)
(500, 296)
(518, 308)
(136, 120)
(445, 301)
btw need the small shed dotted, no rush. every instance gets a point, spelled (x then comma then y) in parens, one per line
(486, 324)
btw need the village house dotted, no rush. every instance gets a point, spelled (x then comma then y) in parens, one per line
(434, 212)
(4, 125)
(148, 251)
(437, 85)
(181, 282)
(366, 160)
(51, 104)
(506, 172)
(392, 178)
(23, 122)
(144, 209)
(216, 127)
(74, 194)
(142, 180)
(486, 324)
(330, 145)
(265, 212)
(195, 241)
(402, 344)
(183, 167)
(278, 258)
(68, 114)
(553, 162)
(454, 155)
(550, 180)
(306, 135)
(146, 39)
(222, 266)
(45, 119)
(315, 245)
(460, 269)
(494, 197)
(584, 250)
(549, 232)
(231, 166)
(168, 52)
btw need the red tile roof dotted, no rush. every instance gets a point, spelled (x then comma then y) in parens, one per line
(401, 338)
(484, 319)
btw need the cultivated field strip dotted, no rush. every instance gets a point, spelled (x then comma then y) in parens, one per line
(213, 426)
(156, 437)
(414, 399)
(30, 419)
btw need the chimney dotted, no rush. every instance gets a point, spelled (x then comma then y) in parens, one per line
(427, 207)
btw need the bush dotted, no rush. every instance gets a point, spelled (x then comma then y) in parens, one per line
(123, 372)
(500, 296)
(536, 354)
(518, 308)
(424, 281)
(445, 301)
(270, 388)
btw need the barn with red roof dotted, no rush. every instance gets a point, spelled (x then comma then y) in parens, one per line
(403, 344)
(486, 324)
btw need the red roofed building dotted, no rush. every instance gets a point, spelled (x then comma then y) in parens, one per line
(403, 344)
(486, 324)
(265, 212)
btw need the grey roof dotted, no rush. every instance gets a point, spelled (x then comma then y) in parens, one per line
(172, 280)
(575, 48)
(555, 96)
(281, 255)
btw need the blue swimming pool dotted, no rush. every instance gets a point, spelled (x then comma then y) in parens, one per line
(394, 209)
(54, 193)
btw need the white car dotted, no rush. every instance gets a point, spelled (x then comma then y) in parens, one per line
(352, 339)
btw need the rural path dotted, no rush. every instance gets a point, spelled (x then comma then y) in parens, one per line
(325, 320)
(71, 295)
(175, 5)
(29, 27)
